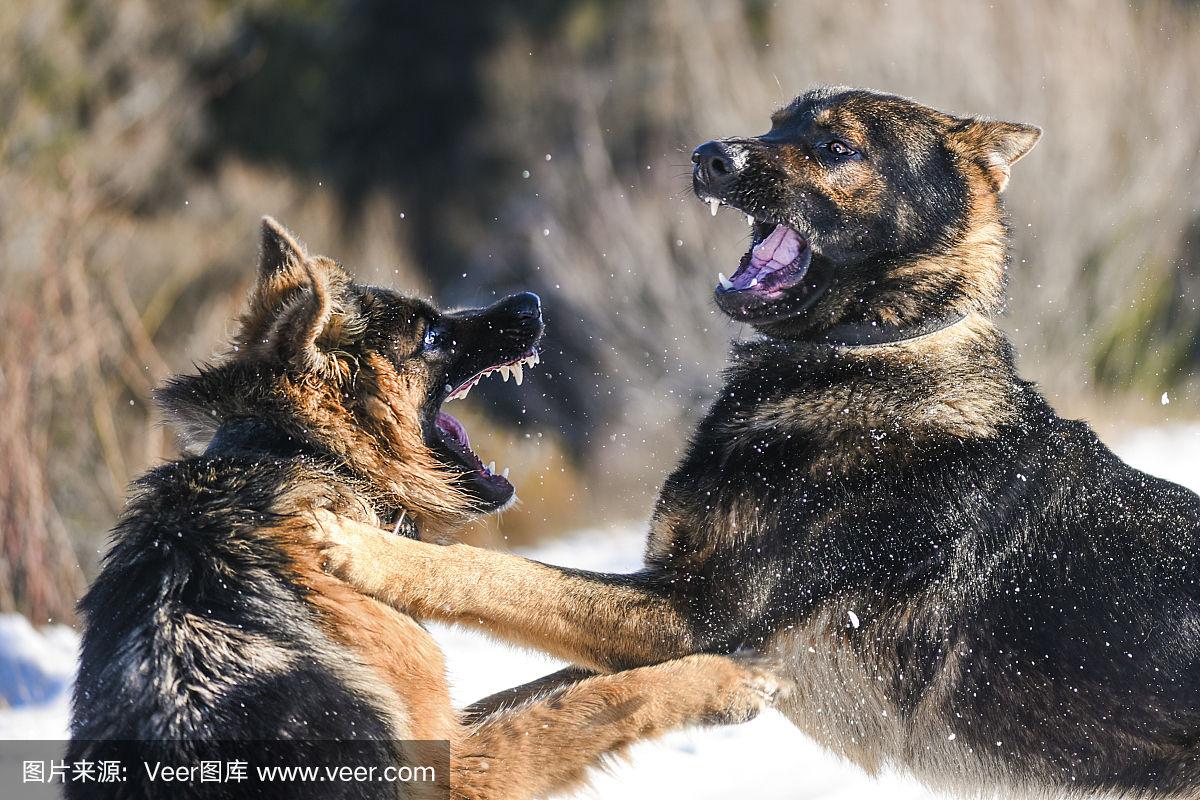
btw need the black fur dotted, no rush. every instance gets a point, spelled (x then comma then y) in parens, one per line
(1027, 588)
(1025, 604)
(179, 624)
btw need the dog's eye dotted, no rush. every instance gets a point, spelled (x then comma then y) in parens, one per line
(841, 149)
(434, 337)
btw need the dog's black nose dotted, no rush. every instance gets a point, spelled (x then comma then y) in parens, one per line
(716, 162)
(526, 305)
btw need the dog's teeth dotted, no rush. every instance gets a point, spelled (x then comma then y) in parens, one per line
(518, 374)
(504, 474)
(725, 282)
(713, 205)
(466, 390)
(504, 373)
(491, 468)
(750, 220)
(754, 283)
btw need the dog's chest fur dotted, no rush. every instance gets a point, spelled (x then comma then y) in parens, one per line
(212, 581)
(954, 576)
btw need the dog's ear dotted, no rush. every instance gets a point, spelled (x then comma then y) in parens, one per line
(281, 260)
(996, 146)
(302, 320)
(278, 248)
(291, 305)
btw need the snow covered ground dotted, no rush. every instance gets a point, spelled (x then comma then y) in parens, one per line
(767, 754)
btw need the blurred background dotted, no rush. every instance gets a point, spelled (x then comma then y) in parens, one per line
(465, 150)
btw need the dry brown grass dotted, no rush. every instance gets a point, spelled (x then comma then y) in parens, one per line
(1101, 208)
(122, 263)
(122, 258)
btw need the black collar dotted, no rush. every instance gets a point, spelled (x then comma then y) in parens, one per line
(873, 334)
(253, 435)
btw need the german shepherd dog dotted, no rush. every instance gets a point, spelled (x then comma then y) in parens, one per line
(213, 621)
(959, 582)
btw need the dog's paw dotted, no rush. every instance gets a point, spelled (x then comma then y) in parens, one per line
(347, 548)
(748, 683)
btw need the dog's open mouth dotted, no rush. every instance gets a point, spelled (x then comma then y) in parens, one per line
(774, 278)
(454, 446)
(778, 259)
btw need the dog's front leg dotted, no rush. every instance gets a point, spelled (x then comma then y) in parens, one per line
(605, 622)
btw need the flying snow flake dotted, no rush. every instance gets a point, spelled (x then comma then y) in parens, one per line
(854, 619)
(1166, 401)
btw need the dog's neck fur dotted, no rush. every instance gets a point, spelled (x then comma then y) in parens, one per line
(223, 400)
(957, 382)
(966, 276)
(256, 435)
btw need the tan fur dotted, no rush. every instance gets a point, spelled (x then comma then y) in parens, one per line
(405, 574)
(977, 263)
(363, 411)
(834, 700)
(857, 188)
(392, 645)
(543, 744)
(506, 596)
(995, 146)
(962, 397)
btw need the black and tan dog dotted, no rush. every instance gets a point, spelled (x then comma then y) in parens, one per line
(212, 620)
(961, 582)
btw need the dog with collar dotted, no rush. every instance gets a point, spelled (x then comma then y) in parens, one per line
(961, 583)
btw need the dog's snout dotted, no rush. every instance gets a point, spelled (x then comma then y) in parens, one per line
(716, 162)
(526, 305)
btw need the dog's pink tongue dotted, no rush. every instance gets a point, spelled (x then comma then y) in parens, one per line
(453, 427)
(777, 250)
